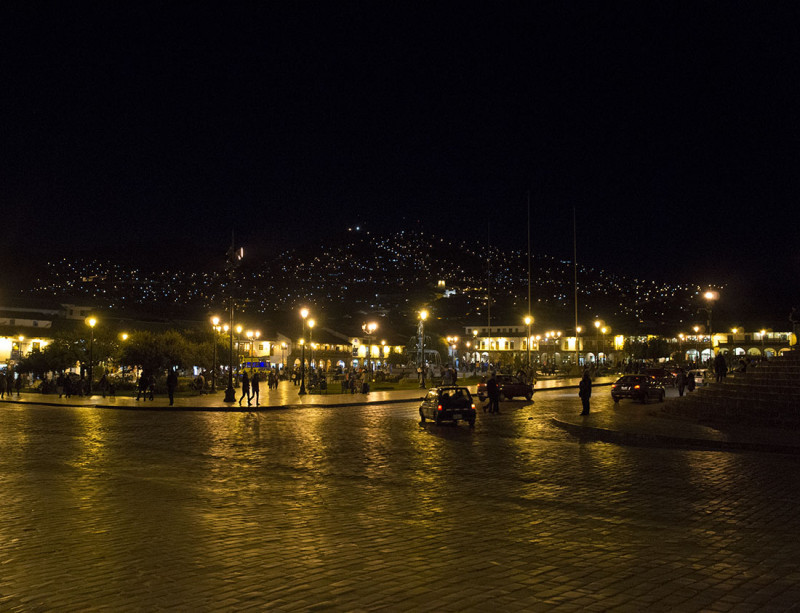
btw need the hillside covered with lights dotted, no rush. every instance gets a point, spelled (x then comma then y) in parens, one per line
(393, 275)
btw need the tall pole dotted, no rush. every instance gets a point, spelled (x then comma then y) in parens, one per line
(234, 258)
(575, 281)
(488, 289)
(303, 314)
(91, 361)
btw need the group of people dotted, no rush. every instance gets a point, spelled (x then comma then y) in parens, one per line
(9, 384)
(251, 388)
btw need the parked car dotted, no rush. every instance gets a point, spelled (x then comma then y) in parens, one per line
(638, 387)
(664, 376)
(509, 388)
(448, 403)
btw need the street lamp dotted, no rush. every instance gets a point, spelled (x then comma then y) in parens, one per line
(215, 328)
(423, 315)
(91, 322)
(369, 330)
(311, 324)
(711, 296)
(578, 331)
(763, 332)
(528, 322)
(304, 315)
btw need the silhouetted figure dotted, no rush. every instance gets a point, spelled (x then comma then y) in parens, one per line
(493, 393)
(172, 384)
(256, 384)
(245, 388)
(585, 391)
(680, 381)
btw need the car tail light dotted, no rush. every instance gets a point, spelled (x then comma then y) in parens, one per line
(614, 386)
(473, 406)
(439, 407)
(636, 387)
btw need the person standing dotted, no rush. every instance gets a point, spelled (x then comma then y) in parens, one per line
(690, 382)
(585, 391)
(493, 392)
(3, 385)
(720, 367)
(680, 381)
(245, 388)
(256, 387)
(172, 384)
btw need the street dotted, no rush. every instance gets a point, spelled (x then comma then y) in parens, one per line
(362, 508)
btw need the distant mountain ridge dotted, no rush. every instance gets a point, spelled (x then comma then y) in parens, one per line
(393, 273)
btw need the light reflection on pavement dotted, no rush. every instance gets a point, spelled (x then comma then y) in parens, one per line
(362, 508)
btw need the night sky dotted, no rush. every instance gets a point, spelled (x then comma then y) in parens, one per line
(156, 129)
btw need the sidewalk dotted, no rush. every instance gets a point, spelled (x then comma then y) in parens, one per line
(285, 397)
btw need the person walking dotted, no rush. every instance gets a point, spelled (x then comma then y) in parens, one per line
(680, 381)
(245, 388)
(18, 384)
(585, 391)
(172, 384)
(256, 383)
(720, 367)
(493, 393)
(141, 389)
(3, 385)
(690, 381)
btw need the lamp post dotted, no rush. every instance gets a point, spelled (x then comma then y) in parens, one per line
(680, 346)
(304, 315)
(369, 330)
(762, 333)
(234, 258)
(283, 355)
(711, 296)
(528, 322)
(604, 331)
(91, 322)
(597, 324)
(578, 331)
(311, 324)
(423, 315)
(215, 328)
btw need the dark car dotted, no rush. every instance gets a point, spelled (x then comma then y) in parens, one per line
(509, 388)
(638, 387)
(448, 403)
(663, 376)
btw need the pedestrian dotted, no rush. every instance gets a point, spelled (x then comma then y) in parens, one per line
(67, 386)
(151, 385)
(3, 385)
(245, 388)
(680, 381)
(103, 384)
(255, 383)
(585, 391)
(172, 384)
(690, 381)
(720, 367)
(60, 384)
(493, 393)
(141, 388)
(18, 384)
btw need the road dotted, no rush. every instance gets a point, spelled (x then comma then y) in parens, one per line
(363, 508)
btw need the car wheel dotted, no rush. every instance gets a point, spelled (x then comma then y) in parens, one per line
(481, 398)
(438, 421)
(643, 398)
(509, 397)
(471, 423)
(421, 416)
(529, 395)
(615, 399)
(661, 397)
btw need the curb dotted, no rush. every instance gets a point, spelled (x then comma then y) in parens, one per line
(638, 439)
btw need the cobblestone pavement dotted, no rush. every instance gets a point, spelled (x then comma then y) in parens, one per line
(362, 509)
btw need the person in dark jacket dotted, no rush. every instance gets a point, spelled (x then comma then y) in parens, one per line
(680, 381)
(256, 385)
(493, 393)
(245, 388)
(585, 391)
(172, 384)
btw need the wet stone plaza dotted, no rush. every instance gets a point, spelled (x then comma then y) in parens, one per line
(361, 508)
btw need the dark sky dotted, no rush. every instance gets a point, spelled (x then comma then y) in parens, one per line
(672, 128)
